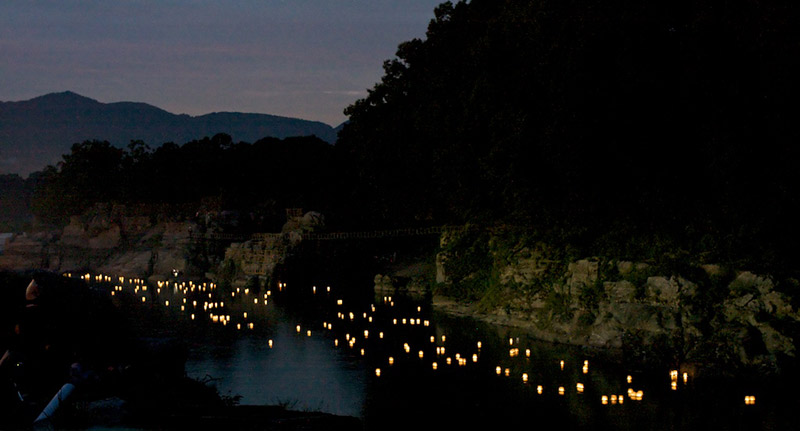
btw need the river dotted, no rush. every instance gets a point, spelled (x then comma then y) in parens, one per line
(397, 363)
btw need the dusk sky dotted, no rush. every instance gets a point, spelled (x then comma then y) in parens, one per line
(297, 58)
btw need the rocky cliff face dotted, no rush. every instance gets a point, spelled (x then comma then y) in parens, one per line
(104, 241)
(701, 314)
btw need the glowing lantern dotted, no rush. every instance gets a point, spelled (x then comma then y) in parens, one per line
(427, 323)
(421, 354)
(391, 360)
(620, 399)
(308, 333)
(579, 388)
(524, 377)
(433, 339)
(238, 326)
(255, 300)
(498, 370)
(339, 302)
(474, 357)
(613, 399)
(561, 390)
(144, 299)
(336, 342)
(630, 378)
(604, 399)
(435, 365)
(479, 344)
(250, 325)
(562, 365)
(685, 378)
(449, 360)
(510, 341)
(528, 353)
(298, 328)
(245, 314)
(377, 372)
(539, 389)
(366, 333)
(380, 335)
(639, 395)
(673, 385)
(585, 369)
(508, 372)
(749, 400)
(443, 338)
(362, 352)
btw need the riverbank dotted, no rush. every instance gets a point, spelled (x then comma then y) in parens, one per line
(123, 376)
(699, 316)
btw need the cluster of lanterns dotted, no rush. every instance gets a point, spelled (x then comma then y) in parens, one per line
(215, 311)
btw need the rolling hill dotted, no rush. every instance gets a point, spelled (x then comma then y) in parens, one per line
(36, 132)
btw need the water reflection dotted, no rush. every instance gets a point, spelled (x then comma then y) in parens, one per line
(305, 374)
(397, 363)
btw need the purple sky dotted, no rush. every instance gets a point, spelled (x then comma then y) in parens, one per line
(298, 58)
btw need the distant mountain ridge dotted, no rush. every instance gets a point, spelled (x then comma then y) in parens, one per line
(36, 132)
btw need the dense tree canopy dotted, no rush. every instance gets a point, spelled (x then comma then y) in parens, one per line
(673, 117)
(268, 175)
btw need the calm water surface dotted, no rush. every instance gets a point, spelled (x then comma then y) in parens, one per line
(305, 346)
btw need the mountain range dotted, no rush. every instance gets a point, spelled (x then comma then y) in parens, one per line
(37, 132)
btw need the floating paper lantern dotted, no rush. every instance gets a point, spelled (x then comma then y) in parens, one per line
(620, 399)
(562, 364)
(604, 399)
(250, 325)
(561, 390)
(629, 378)
(749, 400)
(270, 343)
(298, 328)
(613, 399)
(391, 360)
(377, 372)
(528, 353)
(539, 389)
(435, 365)
(508, 372)
(673, 385)
(685, 378)
(579, 388)
(479, 344)
(308, 333)
(524, 377)
(474, 357)
(498, 370)
(421, 354)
